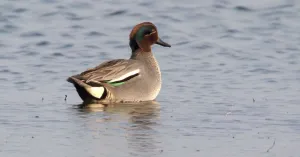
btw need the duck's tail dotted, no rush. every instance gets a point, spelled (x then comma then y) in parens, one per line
(86, 91)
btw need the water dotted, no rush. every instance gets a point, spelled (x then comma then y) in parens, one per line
(230, 81)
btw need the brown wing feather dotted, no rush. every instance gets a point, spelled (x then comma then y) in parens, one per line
(108, 70)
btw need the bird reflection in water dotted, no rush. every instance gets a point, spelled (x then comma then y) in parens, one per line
(142, 118)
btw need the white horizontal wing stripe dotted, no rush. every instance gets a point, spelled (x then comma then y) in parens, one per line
(126, 75)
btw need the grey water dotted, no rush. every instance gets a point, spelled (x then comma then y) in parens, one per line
(231, 80)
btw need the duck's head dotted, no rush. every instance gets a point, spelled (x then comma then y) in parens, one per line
(143, 36)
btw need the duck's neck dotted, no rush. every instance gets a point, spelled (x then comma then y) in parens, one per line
(139, 54)
(147, 58)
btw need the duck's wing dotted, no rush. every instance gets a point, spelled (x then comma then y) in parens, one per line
(114, 72)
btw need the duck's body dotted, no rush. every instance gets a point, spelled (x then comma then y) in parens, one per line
(121, 80)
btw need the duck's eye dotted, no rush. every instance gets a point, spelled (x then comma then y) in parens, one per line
(147, 32)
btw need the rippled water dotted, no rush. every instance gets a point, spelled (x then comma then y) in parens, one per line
(231, 81)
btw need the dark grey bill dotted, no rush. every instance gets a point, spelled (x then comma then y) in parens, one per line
(162, 43)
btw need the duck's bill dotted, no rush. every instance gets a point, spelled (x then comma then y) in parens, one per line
(162, 43)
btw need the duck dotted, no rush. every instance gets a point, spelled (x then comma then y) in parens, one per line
(136, 79)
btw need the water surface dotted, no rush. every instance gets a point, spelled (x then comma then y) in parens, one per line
(230, 81)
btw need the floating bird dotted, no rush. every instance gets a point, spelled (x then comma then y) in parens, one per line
(125, 80)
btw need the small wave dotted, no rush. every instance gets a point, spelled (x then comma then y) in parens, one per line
(43, 43)
(2, 45)
(116, 13)
(39, 65)
(9, 71)
(15, 73)
(74, 17)
(182, 43)
(49, 1)
(3, 19)
(203, 47)
(10, 57)
(280, 7)
(66, 35)
(4, 71)
(81, 5)
(94, 33)
(21, 82)
(57, 54)
(173, 19)
(242, 8)
(77, 27)
(121, 46)
(219, 6)
(292, 62)
(91, 46)
(10, 27)
(232, 31)
(12, 16)
(112, 42)
(20, 10)
(3, 31)
(263, 71)
(32, 34)
(65, 46)
(31, 53)
(135, 15)
(145, 4)
(49, 72)
(49, 14)
(3, 79)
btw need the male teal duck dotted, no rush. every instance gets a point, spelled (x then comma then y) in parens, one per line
(125, 80)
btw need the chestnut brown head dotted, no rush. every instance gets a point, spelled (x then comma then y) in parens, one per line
(143, 36)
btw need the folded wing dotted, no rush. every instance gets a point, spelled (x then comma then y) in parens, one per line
(114, 72)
